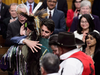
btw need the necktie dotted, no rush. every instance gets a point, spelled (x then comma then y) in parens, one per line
(30, 10)
(49, 14)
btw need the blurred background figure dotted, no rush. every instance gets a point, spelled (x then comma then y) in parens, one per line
(85, 26)
(85, 8)
(4, 13)
(61, 5)
(96, 8)
(13, 17)
(74, 12)
(92, 48)
(30, 5)
(49, 64)
(53, 12)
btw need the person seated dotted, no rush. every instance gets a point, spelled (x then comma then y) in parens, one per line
(13, 17)
(92, 48)
(53, 12)
(61, 5)
(95, 8)
(74, 12)
(30, 5)
(85, 8)
(49, 64)
(85, 25)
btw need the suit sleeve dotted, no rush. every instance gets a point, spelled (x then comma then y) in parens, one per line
(96, 7)
(65, 8)
(62, 24)
(97, 23)
(17, 39)
(74, 25)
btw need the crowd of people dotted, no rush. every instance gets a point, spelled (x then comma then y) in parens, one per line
(54, 40)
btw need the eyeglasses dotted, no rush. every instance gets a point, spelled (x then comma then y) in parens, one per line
(84, 22)
(52, 1)
(77, 1)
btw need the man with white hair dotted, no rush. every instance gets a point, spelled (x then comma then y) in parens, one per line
(85, 8)
(15, 28)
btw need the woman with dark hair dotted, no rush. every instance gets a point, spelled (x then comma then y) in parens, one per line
(92, 48)
(71, 13)
(85, 26)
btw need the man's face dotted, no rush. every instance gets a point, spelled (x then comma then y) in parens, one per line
(0, 1)
(45, 33)
(12, 11)
(85, 10)
(51, 4)
(30, 1)
(20, 17)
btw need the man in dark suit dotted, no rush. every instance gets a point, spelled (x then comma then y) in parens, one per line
(57, 16)
(30, 5)
(4, 13)
(60, 5)
(85, 8)
(6, 21)
(14, 27)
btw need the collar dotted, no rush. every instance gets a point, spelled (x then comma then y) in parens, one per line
(53, 74)
(14, 18)
(81, 15)
(29, 3)
(52, 11)
(68, 54)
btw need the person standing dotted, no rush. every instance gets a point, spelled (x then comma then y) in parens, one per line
(74, 61)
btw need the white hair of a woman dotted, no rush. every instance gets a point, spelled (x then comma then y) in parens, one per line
(85, 3)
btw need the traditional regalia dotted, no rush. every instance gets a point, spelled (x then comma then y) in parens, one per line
(20, 57)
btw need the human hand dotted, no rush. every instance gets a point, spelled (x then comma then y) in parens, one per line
(76, 13)
(84, 35)
(22, 31)
(32, 44)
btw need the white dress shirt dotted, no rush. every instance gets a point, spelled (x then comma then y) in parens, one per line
(70, 66)
(53, 74)
(28, 5)
(52, 11)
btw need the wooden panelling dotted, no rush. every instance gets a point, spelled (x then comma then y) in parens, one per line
(69, 2)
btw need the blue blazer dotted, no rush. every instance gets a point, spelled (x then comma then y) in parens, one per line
(75, 23)
(59, 20)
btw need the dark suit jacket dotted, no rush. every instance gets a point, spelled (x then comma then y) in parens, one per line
(75, 23)
(96, 8)
(34, 4)
(5, 26)
(13, 30)
(4, 11)
(62, 5)
(4, 14)
(59, 20)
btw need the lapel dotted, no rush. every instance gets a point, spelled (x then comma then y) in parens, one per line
(54, 14)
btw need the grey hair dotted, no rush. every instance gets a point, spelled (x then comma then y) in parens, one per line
(50, 62)
(85, 3)
(22, 6)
